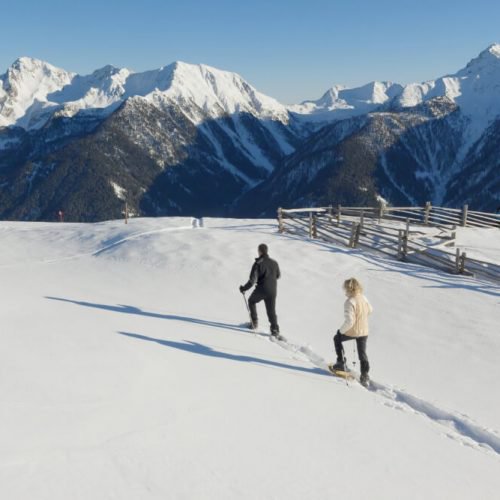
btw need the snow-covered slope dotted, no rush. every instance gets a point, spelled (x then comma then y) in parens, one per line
(31, 87)
(475, 89)
(194, 140)
(222, 136)
(124, 373)
(32, 90)
(434, 141)
(24, 89)
(341, 102)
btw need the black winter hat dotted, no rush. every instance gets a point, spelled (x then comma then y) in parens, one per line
(263, 249)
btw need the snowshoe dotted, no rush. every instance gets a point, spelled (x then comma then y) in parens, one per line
(251, 326)
(364, 380)
(277, 336)
(339, 369)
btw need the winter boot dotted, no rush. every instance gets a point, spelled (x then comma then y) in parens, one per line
(275, 334)
(252, 325)
(339, 366)
(365, 378)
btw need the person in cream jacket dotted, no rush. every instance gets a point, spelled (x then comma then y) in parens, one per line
(357, 309)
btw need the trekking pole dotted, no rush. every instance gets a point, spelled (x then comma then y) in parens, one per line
(248, 308)
(354, 345)
(345, 366)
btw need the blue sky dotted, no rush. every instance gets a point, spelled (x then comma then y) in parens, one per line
(292, 50)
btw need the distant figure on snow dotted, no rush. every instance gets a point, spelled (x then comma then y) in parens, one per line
(265, 274)
(355, 327)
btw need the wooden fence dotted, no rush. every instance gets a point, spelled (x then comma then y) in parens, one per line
(418, 234)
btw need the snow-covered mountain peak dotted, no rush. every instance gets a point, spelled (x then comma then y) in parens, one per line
(109, 71)
(474, 89)
(31, 64)
(488, 60)
(31, 90)
(494, 50)
(24, 89)
(218, 91)
(28, 69)
(491, 53)
(341, 102)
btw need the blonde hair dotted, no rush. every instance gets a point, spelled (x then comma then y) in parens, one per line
(352, 287)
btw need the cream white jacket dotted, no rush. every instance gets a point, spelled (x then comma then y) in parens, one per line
(356, 312)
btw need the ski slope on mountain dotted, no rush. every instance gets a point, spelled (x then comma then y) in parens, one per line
(124, 372)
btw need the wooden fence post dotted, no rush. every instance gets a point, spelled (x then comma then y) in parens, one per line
(339, 211)
(406, 237)
(310, 225)
(457, 261)
(126, 213)
(427, 212)
(463, 257)
(281, 227)
(357, 234)
(465, 211)
(352, 236)
(453, 235)
(315, 226)
(400, 244)
(362, 218)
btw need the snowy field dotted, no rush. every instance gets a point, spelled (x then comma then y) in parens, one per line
(124, 374)
(482, 244)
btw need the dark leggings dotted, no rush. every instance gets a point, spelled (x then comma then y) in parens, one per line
(361, 345)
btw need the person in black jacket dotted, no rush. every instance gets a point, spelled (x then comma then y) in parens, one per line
(265, 274)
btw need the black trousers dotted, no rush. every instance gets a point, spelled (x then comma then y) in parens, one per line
(270, 301)
(360, 344)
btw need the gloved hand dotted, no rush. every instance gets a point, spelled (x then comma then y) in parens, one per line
(242, 289)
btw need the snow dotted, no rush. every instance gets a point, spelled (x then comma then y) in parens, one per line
(341, 102)
(482, 244)
(41, 89)
(233, 169)
(211, 88)
(130, 378)
(33, 90)
(120, 192)
(24, 88)
(474, 89)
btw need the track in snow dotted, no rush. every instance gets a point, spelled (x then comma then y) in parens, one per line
(458, 427)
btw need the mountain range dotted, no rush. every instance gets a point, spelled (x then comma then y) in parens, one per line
(194, 140)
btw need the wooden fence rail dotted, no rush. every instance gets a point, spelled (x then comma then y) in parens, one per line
(428, 215)
(377, 228)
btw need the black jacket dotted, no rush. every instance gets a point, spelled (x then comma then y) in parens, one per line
(265, 273)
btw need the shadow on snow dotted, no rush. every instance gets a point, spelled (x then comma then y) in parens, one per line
(121, 308)
(204, 350)
(438, 278)
(189, 346)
